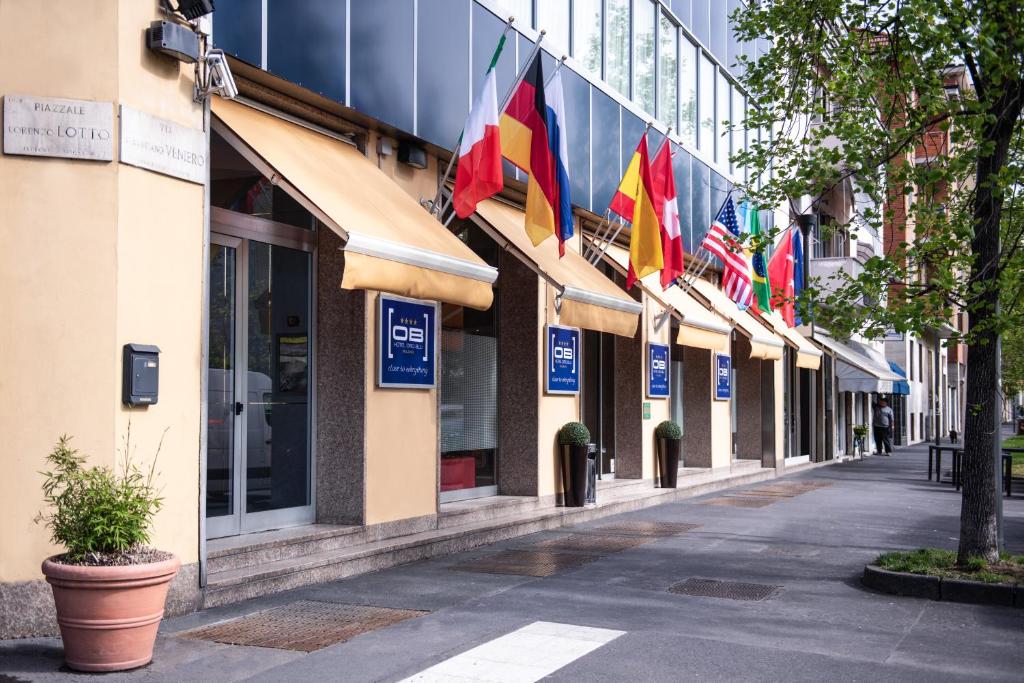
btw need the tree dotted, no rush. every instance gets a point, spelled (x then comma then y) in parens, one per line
(855, 91)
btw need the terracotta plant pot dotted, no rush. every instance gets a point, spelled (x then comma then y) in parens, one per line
(108, 616)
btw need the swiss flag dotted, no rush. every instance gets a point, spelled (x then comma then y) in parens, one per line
(671, 235)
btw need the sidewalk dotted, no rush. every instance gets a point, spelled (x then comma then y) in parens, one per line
(805, 536)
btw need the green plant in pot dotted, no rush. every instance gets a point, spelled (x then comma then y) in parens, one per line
(109, 587)
(670, 438)
(574, 438)
(860, 433)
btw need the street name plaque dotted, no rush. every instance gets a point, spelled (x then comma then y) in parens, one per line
(58, 127)
(163, 146)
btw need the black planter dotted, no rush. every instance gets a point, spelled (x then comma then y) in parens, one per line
(668, 461)
(574, 474)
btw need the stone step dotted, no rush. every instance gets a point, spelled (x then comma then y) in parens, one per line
(481, 509)
(233, 584)
(253, 550)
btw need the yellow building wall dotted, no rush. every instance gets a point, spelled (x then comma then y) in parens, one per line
(555, 409)
(721, 423)
(95, 254)
(661, 408)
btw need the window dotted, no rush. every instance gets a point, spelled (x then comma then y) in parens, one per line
(617, 58)
(668, 71)
(643, 54)
(522, 10)
(587, 38)
(688, 92)
(739, 106)
(706, 106)
(724, 94)
(553, 16)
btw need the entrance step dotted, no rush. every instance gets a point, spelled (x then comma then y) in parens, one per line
(481, 509)
(328, 554)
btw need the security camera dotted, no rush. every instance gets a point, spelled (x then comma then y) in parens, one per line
(218, 77)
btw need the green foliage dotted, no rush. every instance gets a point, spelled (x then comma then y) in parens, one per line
(574, 434)
(668, 430)
(860, 431)
(920, 561)
(94, 510)
(936, 562)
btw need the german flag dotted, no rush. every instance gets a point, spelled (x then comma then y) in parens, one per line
(524, 142)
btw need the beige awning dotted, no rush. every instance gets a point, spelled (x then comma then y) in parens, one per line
(391, 243)
(698, 327)
(807, 354)
(764, 344)
(587, 298)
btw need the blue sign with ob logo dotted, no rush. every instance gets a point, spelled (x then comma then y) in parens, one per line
(658, 361)
(563, 360)
(406, 343)
(723, 377)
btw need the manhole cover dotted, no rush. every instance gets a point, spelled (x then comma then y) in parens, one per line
(731, 590)
(599, 543)
(523, 563)
(643, 528)
(739, 502)
(306, 625)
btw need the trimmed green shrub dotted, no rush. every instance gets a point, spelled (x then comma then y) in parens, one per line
(573, 434)
(668, 430)
(97, 513)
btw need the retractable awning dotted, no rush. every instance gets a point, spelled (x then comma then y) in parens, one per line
(807, 354)
(858, 367)
(901, 388)
(698, 327)
(764, 344)
(588, 299)
(391, 243)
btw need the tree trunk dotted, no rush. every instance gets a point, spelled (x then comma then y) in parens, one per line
(978, 511)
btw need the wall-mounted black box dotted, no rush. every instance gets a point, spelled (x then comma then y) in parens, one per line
(140, 375)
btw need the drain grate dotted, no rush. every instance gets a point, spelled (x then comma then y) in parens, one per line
(643, 528)
(737, 502)
(730, 590)
(596, 543)
(306, 625)
(523, 563)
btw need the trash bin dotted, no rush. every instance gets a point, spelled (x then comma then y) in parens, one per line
(591, 497)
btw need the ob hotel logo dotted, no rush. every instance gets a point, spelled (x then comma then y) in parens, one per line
(406, 348)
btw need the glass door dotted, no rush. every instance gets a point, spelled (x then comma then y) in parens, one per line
(259, 465)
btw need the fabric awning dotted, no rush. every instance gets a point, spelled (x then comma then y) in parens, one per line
(698, 327)
(764, 344)
(588, 299)
(391, 243)
(807, 354)
(858, 366)
(901, 388)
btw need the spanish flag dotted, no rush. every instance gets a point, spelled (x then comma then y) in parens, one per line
(525, 142)
(638, 201)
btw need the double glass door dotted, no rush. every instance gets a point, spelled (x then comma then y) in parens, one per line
(258, 472)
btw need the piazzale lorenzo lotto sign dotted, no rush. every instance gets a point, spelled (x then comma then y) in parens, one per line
(58, 127)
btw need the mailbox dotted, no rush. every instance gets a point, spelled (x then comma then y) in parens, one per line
(141, 378)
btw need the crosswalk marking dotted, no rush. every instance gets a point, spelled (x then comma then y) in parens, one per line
(525, 655)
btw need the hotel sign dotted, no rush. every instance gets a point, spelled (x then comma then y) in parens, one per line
(163, 146)
(406, 343)
(57, 127)
(723, 377)
(562, 375)
(657, 370)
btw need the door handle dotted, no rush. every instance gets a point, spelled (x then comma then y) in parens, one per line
(239, 407)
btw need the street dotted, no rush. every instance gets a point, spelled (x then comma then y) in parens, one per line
(806, 536)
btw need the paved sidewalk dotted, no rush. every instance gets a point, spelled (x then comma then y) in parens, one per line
(621, 622)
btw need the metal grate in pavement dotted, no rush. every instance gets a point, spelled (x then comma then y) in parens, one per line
(730, 590)
(738, 502)
(594, 543)
(305, 625)
(524, 563)
(643, 528)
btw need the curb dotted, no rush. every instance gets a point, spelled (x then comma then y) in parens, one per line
(940, 588)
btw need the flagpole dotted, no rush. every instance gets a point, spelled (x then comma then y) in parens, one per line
(689, 277)
(434, 207)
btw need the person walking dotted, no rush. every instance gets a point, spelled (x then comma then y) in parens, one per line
(881, 424)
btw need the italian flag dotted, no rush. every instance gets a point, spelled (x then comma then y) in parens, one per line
(479, 174)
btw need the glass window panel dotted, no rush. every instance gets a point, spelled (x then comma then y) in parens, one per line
(668, 71)
(587, 35)
(553, 17)
(522, 10)
(643, 54)
(723, 92)
(238, 26)
(719, 28)
(220, 432)
(617, 59)
(739, 103)
(688, 92)
(733, 46)
(606, 148)
(706, 105)
(701, 21)
(632, 129)
(487, 30)
(306, 44)
(701, 193)
(681, 8)
(719, 190)
(681, 167)
(382, 70)
(577, 127)
(442, 92)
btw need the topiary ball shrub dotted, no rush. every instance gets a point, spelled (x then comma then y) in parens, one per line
(668, 430)
(573, 434)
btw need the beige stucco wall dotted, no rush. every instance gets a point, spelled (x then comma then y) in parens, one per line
(95, 254)
(555, 410)
(721, 425)
(661, 408)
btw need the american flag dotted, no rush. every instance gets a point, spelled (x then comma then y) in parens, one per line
(721, 241)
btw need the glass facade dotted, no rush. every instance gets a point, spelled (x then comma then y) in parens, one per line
(668, 72)
(688, 92)
(706, 106)
(723, 96)
(587, 39)
(553, 17)
(617, 45)
(643, 54)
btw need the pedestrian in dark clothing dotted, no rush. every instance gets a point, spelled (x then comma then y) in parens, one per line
(881, 425)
